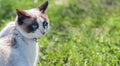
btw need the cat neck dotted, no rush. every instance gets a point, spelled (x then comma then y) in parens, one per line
(29, 47)
(20, 38)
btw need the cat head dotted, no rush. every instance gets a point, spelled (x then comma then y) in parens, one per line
(32, 23)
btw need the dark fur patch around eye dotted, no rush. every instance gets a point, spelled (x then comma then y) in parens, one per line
(20, 20)
(32, 27)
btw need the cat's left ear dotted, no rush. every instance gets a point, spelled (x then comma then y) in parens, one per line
(43, 7)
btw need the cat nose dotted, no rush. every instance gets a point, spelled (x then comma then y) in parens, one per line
(43, 33)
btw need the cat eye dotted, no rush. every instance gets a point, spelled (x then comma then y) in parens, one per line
(45, 24)
(34, 26)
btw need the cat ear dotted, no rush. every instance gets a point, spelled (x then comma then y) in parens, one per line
(43, 7)
(21, 16)
(22, 13)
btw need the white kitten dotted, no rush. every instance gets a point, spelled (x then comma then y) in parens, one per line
(18, 42)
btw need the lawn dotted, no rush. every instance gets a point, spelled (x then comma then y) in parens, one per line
(81, 33)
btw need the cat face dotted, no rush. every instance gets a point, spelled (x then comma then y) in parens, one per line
(32, 23)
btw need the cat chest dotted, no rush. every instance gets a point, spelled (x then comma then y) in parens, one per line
(30, 51)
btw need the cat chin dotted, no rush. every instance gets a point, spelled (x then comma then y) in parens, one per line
(31, 35)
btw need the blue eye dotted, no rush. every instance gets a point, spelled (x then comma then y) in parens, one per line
(45, 24)
(34, 27)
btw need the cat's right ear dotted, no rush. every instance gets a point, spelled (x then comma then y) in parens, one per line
(21, 16)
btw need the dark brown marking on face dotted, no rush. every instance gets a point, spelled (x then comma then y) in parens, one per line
(21, 16)
(27, 21)
(30, 25)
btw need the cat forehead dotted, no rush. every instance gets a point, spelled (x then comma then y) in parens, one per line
(35, 13)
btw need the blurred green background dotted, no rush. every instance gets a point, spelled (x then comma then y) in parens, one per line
(82, 32)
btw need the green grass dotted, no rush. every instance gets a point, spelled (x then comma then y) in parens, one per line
(82, 33)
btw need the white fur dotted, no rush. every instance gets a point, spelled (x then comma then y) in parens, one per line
(8, 29)
(25, 54)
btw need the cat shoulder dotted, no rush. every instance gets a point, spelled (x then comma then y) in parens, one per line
(8, 29)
